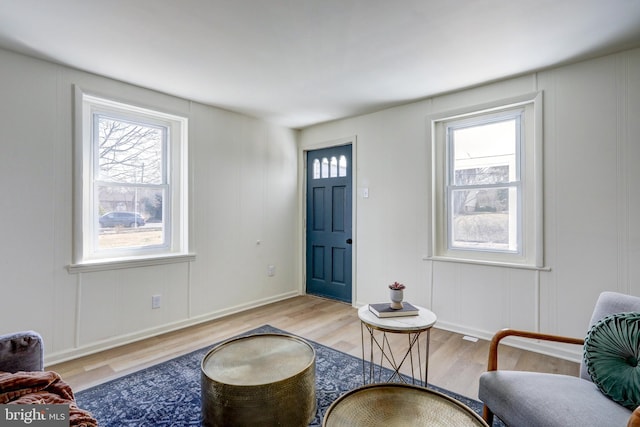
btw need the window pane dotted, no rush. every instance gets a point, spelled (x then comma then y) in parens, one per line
(130, 152)
(325, 167)
(316, 169)
(333, 172)
(485, 154)
(130, 217)
(480, 176)
(342, 166)
(482, 219)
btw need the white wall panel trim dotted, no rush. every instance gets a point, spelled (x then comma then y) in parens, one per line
(623, 195)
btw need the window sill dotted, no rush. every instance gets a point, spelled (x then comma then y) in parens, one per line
(487, 263)
(116, 264)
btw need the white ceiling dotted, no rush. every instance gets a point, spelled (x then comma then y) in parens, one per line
(301, 62)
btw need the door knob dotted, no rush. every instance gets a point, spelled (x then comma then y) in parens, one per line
(349, 241)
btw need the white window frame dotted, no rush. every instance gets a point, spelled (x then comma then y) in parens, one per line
(528, 228)
(87, 256)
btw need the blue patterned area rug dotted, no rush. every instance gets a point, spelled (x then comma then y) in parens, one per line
(168, 394)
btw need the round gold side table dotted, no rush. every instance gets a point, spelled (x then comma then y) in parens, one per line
(395, 405)
(259, 380)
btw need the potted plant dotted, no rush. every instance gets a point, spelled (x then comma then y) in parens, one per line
(397, 295)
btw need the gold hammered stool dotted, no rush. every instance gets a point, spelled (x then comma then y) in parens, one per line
(395, 405)
(259, 380)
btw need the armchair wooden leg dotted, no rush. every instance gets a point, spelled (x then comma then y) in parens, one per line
(487, 415)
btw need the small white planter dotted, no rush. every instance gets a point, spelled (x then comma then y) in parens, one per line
(396, 299)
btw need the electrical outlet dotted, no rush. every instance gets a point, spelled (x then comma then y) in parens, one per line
(155, 301)
(271, 270)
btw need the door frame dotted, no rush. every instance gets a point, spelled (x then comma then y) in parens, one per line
(302, 210)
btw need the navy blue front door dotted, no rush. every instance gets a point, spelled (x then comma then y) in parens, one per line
(329, 178)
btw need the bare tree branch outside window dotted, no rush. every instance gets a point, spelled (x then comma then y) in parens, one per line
(129, 152)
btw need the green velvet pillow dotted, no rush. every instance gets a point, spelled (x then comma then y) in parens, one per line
(611, 354)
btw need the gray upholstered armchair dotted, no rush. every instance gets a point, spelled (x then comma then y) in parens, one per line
(21, 351)
(522, 399)
(23, 381)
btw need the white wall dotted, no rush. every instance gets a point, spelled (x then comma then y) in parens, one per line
(243, 189)
(591, 204)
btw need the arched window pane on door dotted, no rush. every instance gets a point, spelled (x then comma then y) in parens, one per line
(342, 166)
(333, 170)
(325, 168)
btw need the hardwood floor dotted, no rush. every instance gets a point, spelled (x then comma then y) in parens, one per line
(454, 363)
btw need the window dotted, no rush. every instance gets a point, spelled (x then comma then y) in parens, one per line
(132, 187)
(331, 168)
(487, 175)
(483, 183)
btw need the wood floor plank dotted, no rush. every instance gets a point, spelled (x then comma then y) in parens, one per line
(454, 363)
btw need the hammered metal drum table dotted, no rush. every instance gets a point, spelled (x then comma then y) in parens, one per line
(395, 405)
(259, 380)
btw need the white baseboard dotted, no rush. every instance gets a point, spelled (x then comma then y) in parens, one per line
(112, 342)
(572, 353)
